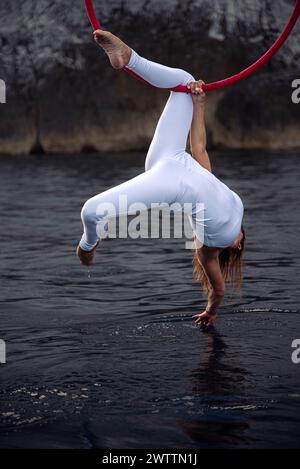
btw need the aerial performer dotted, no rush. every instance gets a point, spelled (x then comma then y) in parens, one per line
(172, 175)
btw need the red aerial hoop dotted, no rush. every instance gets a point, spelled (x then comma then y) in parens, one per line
(235, 78)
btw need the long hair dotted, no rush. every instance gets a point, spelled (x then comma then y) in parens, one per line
(231, 264)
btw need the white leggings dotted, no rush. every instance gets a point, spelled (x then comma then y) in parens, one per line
(161, 182)
(172, 175)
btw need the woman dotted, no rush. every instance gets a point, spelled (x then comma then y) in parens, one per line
(173, 175)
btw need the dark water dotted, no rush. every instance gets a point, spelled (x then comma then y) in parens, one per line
(113, 359)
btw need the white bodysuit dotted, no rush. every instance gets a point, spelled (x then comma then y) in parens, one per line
(172, 175)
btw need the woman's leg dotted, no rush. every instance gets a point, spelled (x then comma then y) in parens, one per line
(159, 185)
(162, 182)
(171, 133)
(174, 125)
(156, 74)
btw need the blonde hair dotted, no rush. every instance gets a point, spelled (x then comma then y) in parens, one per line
(231, 264)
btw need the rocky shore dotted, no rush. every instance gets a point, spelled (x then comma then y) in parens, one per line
(63, 97)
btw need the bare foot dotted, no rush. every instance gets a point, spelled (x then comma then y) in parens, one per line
(118, 52)
(87, 257)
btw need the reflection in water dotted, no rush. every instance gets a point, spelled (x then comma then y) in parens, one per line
(216, 382)
(214, 375)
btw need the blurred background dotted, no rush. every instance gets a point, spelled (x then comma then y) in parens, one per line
(63, 97)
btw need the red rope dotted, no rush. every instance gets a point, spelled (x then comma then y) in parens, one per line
(228, 81)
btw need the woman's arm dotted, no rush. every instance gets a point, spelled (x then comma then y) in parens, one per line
(209, 259)
(198, 130)
(198, 137)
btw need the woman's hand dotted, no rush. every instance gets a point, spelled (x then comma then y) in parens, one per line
(198, 95)
(205, 319)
